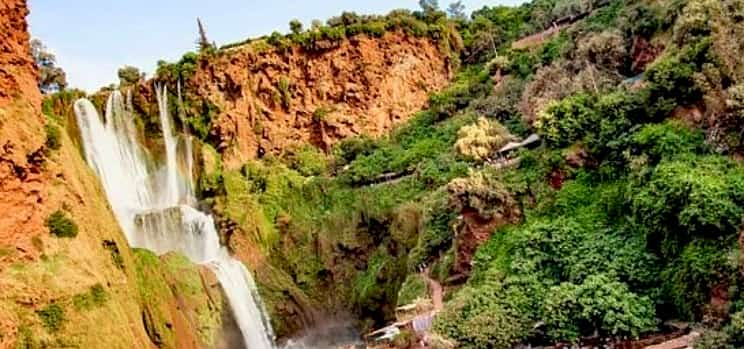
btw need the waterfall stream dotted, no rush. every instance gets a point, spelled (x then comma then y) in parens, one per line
(154, 203)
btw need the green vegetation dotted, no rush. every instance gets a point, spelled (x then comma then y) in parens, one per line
(52, 316)
(95, 297)
(625, 215)
(412, 289)
(53, 141)
(61, 226)
(432, 23)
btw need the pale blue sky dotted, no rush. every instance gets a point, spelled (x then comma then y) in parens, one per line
(93, 38)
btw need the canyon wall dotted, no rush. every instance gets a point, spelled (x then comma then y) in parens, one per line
(268, 100)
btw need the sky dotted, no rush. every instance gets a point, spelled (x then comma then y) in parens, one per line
(92, 39)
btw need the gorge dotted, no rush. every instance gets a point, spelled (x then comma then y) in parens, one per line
(554, 174)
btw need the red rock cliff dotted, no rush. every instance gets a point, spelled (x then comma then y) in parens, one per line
(271, 100)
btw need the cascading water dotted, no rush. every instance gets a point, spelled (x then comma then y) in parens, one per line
(152, 204)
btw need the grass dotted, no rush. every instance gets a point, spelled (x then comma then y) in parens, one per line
(95, 297)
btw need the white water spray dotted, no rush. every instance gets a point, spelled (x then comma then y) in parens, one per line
(151, 204)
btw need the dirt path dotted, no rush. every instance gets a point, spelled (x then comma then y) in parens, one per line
(436, 291)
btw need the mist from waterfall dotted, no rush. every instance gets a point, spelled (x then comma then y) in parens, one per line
(154, 202)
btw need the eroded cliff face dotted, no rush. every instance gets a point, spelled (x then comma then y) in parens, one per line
(21, 183)
(270, 100)
(79, 291)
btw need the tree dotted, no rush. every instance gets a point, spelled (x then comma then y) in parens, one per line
(51, 78)
(295, 26)
(129, 75)
(429, 6)
(456, 10)
(203, 42)
(316, 24)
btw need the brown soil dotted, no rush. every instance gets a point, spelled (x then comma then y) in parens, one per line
(474, 232)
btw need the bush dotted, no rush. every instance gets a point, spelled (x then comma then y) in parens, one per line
(61, 226)
(96, 296)
(689, 280)
(598, 304)
(307, 161)
(295, 26)
(482, 192)
(349, 149)
(482, 139)
(669, 140)
(641, 20)
(413, 288)
(492, 315)
(735, 100)
(688, 198)
(437, 234)
(53, 135)
(52, 316)
(694, 22)
(671, 83)
(606, 50)
(567, 121)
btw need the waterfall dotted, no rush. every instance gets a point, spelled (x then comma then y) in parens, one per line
(152, 203)
(173, 191)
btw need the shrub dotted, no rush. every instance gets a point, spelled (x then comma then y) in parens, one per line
(52, 316)
(565, 122)
(606, 50)
(689, 279)
(349, 149)
(285, 95)
(413, 288)
(688, 198)
(483, 192)
(561, 80)
(320, 113)
(641, 20)
(482, 139)
(490, 315)
(598, 304)
(307, 161)
(694, 22)
(295, 26)
(96, 296)
(668, 140)
(671, 83)
(53, 135)
(437, 234)
(735, 100)
(61, 226)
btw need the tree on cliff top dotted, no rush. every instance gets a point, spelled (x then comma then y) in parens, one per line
(51, 78)
(129, 75)
(456, 10)
(295, 26)
(429, 6)
(203, 42)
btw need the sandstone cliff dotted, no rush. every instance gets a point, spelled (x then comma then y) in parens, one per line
(80, 290)
(265, 100)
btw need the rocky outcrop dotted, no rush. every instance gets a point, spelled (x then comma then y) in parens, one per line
(269, 100)
(17, 71)
(21, 138)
